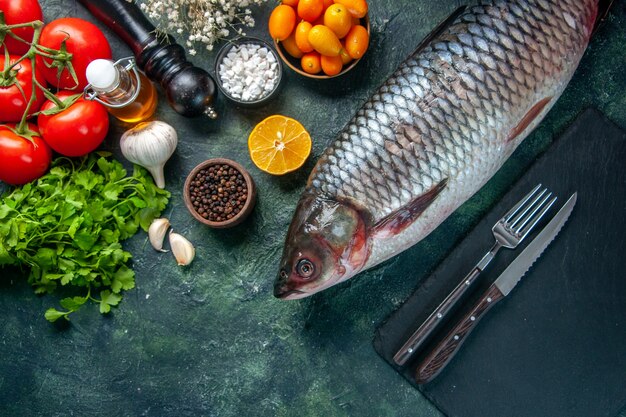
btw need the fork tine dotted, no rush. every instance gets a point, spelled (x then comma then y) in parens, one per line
(530, 227)
(526, 208)
(509, 214)
(536, 205)
(530, 210)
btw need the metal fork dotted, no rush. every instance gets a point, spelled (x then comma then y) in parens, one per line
(508, 232)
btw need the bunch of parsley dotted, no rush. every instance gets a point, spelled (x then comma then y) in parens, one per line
(67, 227)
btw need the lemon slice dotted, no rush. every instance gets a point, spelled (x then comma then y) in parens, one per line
(279, 145)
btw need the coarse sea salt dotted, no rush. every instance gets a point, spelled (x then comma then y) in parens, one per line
(249, 72)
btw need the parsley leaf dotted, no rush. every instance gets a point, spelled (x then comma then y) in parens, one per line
(67, 228)
(108, 299)
(4, 211)
(124, 279)
(73, 303)
(53, 315)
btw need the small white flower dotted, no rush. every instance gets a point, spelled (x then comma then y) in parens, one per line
(204, 21)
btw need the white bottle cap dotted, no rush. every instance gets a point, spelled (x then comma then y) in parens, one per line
(102, 75)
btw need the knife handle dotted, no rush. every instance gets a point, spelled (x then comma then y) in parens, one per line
(449, 346)
(439, 315)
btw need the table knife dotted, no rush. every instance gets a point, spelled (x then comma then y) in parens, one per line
(441, 355)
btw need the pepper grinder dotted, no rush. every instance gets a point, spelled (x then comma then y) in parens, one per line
(189, 90)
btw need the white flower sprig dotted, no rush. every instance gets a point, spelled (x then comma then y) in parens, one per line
(202, 21)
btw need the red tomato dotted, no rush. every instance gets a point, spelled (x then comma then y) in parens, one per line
(16, 12)
(13, 101)
(21, 160)
(83, 40)
(77, 130)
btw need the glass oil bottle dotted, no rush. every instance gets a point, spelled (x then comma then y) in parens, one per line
(126, 92)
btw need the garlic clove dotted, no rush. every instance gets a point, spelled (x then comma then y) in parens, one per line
(156, 233)
(183, 250)
(158, 175)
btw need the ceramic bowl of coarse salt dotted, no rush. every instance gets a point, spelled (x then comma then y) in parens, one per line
(248, 71)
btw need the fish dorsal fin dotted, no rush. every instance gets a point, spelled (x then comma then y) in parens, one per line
(603, 10)
(528, 118)
(439, 28)
(402, 218)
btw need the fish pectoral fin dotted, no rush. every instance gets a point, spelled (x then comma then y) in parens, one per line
(400, 219)
(528, 118)
(439, 29)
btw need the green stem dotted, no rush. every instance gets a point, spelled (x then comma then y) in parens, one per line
(44, 238)
(49, 95)
(45, 55)
(6, 73)
(34, 50)
(31, 54)
(17, 38)
(124, 201)
(32, 24)
(41, 48)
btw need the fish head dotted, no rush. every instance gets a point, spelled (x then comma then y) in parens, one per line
(326, 244)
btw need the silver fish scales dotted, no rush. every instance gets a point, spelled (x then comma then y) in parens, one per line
(431, 136)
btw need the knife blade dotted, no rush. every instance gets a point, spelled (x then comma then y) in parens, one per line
(441, 355)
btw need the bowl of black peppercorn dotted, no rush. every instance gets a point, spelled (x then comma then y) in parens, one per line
(219, 193)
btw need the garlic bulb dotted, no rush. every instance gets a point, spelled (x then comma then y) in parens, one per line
(156, 233)
(150, 144)
(183, 250)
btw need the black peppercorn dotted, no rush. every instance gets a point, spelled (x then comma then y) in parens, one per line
(218, 193)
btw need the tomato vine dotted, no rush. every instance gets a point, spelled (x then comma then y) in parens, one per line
(61, 59)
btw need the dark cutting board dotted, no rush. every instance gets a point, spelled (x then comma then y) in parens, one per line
(557, 345)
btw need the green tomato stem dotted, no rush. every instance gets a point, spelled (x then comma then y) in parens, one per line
(22, 127)
(16, 37)
(7, 70)
(59, 103)
(34, 50)
(37, 25)
(34, 24)
(44, 54)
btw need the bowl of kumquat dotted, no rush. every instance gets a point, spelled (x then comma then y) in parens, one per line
(320, 38)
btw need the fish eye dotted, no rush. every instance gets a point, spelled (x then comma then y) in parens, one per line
(305, 268)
